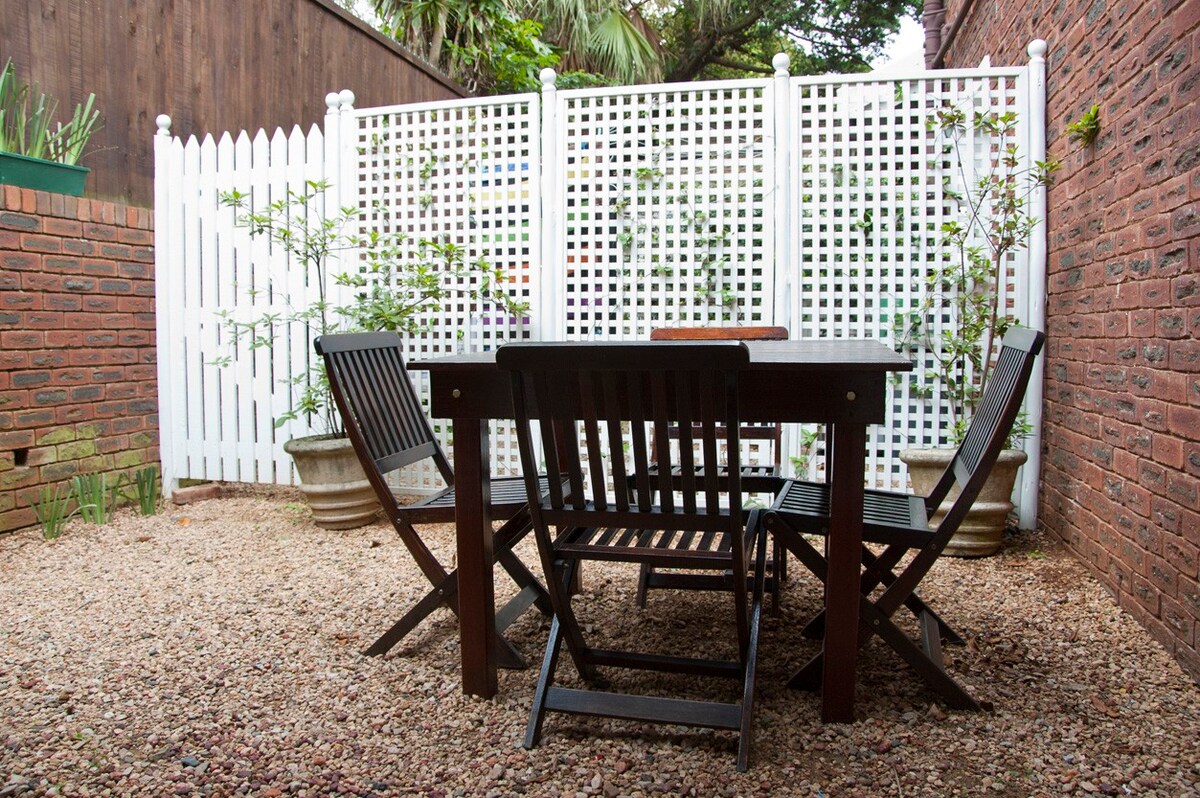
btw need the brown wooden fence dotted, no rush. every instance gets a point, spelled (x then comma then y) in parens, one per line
(212, 65)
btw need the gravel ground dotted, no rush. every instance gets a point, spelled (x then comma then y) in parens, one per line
(214, 650)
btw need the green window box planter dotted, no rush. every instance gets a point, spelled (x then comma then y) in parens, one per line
(60, 178)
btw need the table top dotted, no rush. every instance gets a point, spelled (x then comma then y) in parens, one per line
(830, 380)
(824, 355)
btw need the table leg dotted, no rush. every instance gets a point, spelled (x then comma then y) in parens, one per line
(476, 593)
(844, 554)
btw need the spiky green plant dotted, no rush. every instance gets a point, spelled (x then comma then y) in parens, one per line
(146, 484)
(94, 496)
(27, 122)
(50, 507)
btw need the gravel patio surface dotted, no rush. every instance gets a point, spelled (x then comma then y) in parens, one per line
(213, 649)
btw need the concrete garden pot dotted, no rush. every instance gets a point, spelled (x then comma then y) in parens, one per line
(981, 532)
(333, 482)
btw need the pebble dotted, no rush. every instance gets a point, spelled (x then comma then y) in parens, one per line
(198, 718)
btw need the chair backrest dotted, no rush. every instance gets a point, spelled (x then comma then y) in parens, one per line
(379, 404)
(618, 392)
(991, 423)
(762, 432)
(719, 334)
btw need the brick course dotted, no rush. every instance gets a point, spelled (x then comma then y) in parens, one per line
(77, 359)
(1121, 460)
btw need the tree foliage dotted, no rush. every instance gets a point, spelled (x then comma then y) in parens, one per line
(483, 44)
(820, 36)
(501, 45)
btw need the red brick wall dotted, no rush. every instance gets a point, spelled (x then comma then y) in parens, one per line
(77, 365)
(1121, 469)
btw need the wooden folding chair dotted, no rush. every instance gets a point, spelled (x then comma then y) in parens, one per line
(900, 523)
(389, 430)
(617, 392)
(760, 477)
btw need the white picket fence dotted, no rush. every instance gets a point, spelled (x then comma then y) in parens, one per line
(811, 203)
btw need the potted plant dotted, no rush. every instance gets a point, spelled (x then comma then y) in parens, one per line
(387, 292)
(35, 153)
(964, 288)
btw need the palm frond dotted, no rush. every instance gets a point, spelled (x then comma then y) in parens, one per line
(622, 51)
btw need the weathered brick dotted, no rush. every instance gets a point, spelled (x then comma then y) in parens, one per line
(20, 221)
(64, 228)
(100, 232)
(41, 243)
(99, 268)
(79, 284)
(56, 436)
(76, 450)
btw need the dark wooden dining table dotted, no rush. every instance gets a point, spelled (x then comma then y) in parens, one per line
(842, 383)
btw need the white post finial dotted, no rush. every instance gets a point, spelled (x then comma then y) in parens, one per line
(164, 125)
(781, 62)
(331, 102)
(548, 77)
(346, 98)
(1037, 49)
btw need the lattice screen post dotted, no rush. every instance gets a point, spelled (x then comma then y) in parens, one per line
(785, 269)
(167, 299)
(784, 284)
(551, 301)
(340, 172)
(1035, 283)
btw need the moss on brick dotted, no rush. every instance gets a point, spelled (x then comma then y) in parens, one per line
(87, 431)
(140, 440)
(56, 436)
(59, 471)
(76, 450)
(131, 459)
(18, 478)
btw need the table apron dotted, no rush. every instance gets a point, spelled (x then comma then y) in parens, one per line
(764, 395)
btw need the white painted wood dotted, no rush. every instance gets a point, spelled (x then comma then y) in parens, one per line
(191, 360)
(1034, 286)
(811, 202)
(168, 163)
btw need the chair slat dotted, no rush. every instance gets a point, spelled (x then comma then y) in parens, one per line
(658, 412)
(589, 385)
(686, 404)
(638, 420)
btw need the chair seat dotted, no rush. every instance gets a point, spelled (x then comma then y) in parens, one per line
(889, 518)
(755, 478)
(664, 548)
(505, 492)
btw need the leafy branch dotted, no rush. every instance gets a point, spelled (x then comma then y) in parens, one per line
(389, 290)
(994, 223)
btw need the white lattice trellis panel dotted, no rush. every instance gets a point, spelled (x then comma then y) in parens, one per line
(873, 186)
(663, 208)
(812, 203)
(458, 180)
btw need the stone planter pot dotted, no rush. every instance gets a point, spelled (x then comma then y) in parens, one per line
(333, 482)
(981, 532)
